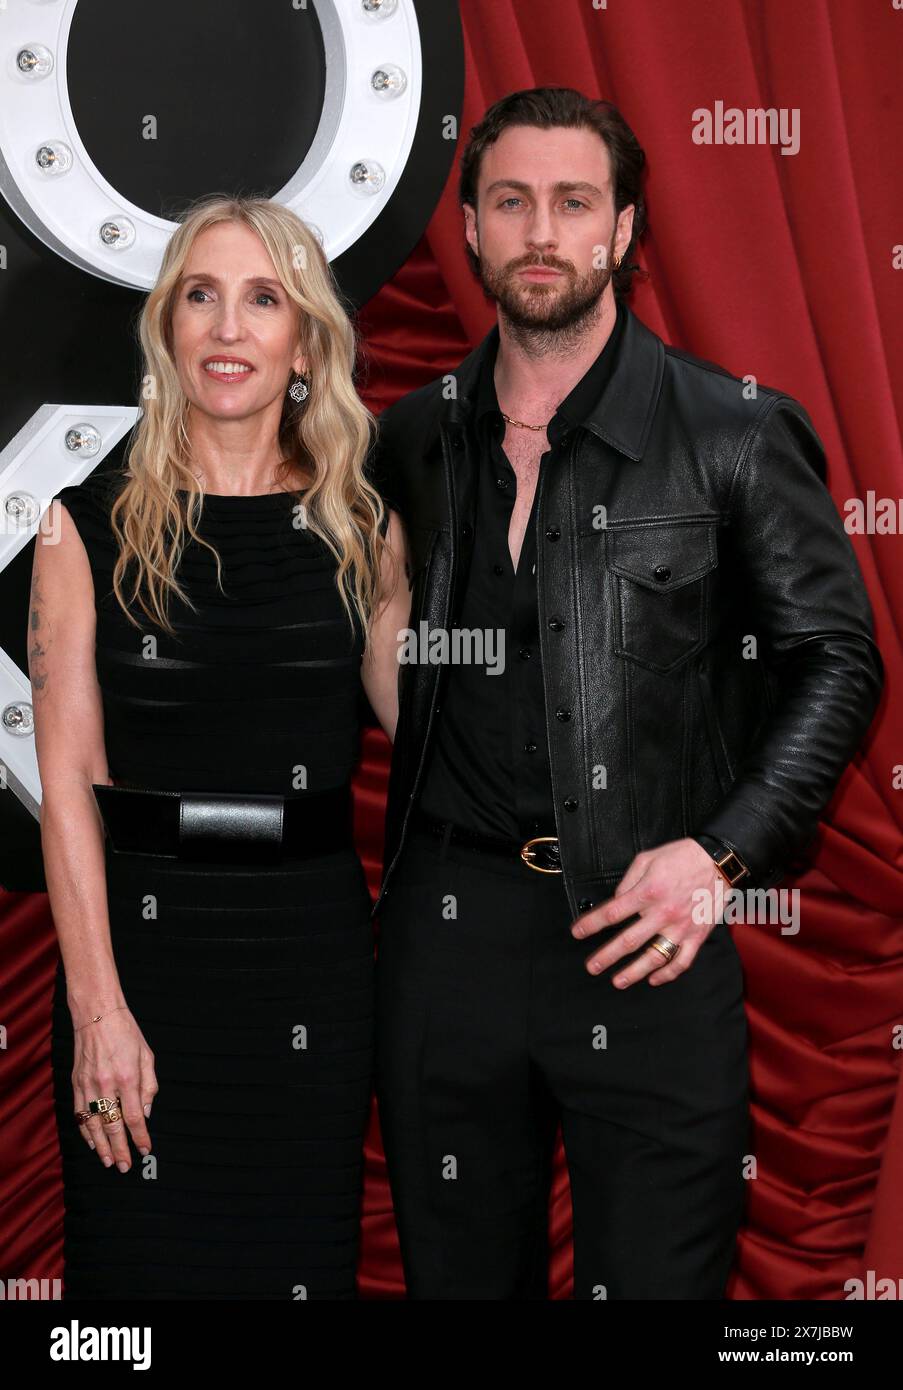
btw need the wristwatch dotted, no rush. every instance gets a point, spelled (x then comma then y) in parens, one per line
(727, 861)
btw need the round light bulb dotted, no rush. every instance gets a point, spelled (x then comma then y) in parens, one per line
(388, 81)
(18, 719)
(34, 61)
(21, 508)
(367, 176)
(53, 158)
(117, 233)
(83, 440)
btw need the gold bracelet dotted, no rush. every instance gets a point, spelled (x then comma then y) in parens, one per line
(98, 1017)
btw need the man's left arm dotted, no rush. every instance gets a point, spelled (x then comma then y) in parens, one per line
(812, 611)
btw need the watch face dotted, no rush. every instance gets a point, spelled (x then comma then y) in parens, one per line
(731, 865)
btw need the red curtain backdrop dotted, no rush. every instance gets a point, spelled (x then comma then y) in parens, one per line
(779, 266)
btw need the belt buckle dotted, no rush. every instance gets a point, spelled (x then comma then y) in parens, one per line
(222, 826)
(527, 854)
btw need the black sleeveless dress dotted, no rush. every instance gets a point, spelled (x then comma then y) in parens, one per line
(252, 985)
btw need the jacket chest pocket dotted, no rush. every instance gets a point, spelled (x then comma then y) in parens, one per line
(660, 582)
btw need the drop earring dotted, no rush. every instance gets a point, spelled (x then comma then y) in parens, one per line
(299, 389)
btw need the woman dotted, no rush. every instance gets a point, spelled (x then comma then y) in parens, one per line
(198, 637)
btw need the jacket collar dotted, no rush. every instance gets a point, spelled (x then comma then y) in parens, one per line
(623, 414)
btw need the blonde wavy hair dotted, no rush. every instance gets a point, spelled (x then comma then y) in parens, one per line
(329, 437)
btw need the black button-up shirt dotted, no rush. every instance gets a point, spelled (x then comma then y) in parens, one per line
(489, 769)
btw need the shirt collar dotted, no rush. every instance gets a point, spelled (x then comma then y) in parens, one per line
(575, 407)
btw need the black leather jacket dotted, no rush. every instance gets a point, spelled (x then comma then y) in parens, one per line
(706, 637)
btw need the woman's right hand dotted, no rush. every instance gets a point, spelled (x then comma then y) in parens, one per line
(113, 1059)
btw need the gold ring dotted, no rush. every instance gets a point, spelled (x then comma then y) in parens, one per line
(668, 949)
(103, 1104)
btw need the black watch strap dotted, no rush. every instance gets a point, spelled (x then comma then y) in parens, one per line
(729, 864)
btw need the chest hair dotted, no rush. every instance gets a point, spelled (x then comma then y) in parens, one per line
(523, 449)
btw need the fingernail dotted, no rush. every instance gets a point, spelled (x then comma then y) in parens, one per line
(91, 1143)
(144, 1152)
(146, 1111)
(107, 1161)
(122, 1166)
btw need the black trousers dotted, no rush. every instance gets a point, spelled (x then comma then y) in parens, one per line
(490, 1031)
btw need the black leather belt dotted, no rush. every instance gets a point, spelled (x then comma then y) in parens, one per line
(227, 827)
(541, 853)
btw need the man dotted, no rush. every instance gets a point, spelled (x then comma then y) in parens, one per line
(688, 667)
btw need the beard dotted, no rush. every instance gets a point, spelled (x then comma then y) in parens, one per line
(545, 316)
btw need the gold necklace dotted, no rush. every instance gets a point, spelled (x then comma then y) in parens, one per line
(521, 424)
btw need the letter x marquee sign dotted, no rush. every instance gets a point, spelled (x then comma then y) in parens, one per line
(389, 86)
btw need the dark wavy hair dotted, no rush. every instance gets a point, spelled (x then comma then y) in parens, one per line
(547, 107)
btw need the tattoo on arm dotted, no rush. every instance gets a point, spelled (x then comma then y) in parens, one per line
(39, 638)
